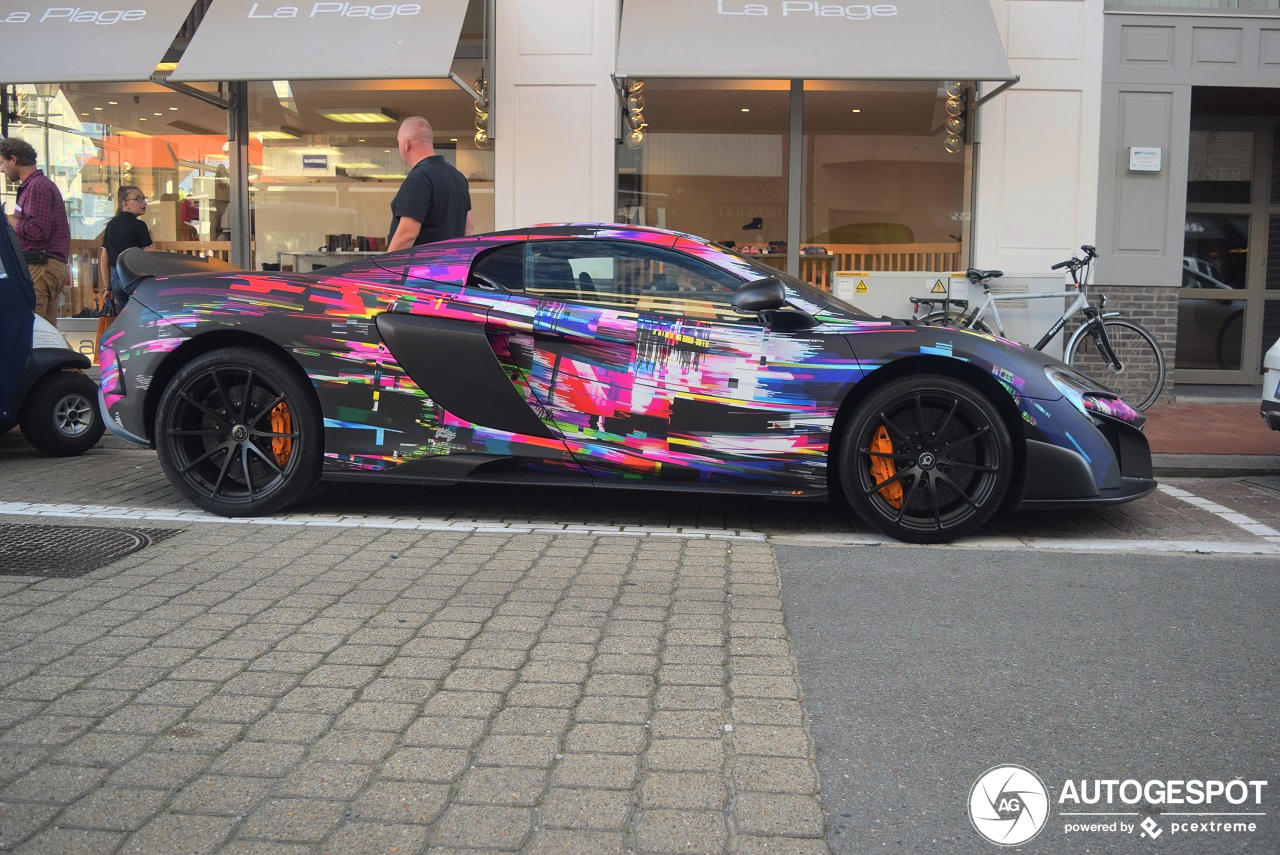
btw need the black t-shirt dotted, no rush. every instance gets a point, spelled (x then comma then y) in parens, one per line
(435, 194)
(124, 230)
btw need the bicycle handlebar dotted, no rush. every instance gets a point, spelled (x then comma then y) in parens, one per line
(1090, 253)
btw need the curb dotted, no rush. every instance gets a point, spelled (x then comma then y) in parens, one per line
(1214, 465)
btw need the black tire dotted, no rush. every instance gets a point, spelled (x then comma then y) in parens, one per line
(1141, 376)
(952, 319)
(951, 459)
(60, 414)
(239, 454)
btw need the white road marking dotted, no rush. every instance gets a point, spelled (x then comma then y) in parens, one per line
(1266, 532)
(189, 516)
(193, 515)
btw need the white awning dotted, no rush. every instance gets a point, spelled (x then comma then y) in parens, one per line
(259, 40)
(84, 42)
(811, 39)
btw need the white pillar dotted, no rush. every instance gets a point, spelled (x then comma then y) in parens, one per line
(1037, 197)
(555, 111)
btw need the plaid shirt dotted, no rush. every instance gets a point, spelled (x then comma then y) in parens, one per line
(43, 224)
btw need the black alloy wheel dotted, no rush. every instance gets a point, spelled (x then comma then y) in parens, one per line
(926, 459)
(239, 433)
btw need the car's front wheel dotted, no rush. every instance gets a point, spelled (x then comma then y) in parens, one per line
(926, 459)
(239, 433)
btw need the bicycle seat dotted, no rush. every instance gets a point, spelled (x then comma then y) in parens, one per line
(976, 275)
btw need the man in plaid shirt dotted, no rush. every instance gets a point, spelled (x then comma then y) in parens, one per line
(39, 220)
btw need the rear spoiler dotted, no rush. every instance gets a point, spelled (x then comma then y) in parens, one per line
(136, 264)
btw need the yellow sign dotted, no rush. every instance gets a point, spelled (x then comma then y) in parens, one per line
(862, 287)
(938, 288)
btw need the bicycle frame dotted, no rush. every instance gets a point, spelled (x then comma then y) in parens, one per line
(989, 308)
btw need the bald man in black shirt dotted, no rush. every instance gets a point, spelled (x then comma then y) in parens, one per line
(434, 202)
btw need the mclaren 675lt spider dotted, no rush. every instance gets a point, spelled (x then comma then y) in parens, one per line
(596, 355)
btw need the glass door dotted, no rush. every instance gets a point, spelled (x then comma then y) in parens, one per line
(1228, 226)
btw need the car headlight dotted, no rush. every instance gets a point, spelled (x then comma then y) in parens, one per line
(1089, 398)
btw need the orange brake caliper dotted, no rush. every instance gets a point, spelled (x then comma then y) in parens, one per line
(884, 468)
(282, 446)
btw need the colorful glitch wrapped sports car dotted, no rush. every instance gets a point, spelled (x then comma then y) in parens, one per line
(597, 355)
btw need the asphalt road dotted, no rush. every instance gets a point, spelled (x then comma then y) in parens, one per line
(924, 667)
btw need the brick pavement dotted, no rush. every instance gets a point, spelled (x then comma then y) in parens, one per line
(352, 680)
(131, 479)
(336, 689)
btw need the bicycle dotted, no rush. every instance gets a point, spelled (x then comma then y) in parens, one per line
(1106, 345)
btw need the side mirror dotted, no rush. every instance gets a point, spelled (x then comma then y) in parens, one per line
(760, 296)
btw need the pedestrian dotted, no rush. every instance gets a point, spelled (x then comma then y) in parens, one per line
(434, 202)
(126, 229)
(39, 219)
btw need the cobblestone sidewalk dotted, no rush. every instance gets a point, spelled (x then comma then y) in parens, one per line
(335, 689)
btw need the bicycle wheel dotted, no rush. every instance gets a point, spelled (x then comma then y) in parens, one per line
(1140, 375)
(952, 319)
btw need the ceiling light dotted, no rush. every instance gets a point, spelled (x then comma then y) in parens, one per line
(97, 108)
(173, 108)
(157, 114)
(746, 109)
(359, 140)
(453, 139)
(113, 103)
(84, 114)
(357, 115)
(855, 110)
(142, 118)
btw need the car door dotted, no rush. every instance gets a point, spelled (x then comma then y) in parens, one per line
(635, 355)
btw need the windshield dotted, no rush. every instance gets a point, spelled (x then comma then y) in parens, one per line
(816, 298)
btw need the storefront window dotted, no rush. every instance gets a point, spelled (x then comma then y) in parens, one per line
(881, 191)
(713, 162)
(327, 165)
(91, 139)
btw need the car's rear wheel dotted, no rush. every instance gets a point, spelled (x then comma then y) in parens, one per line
(239, 433)
(60, 414)
(926, 459)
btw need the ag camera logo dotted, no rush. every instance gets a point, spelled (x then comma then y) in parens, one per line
(1009, 805)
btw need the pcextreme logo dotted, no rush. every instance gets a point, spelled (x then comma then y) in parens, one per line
(1010, 805)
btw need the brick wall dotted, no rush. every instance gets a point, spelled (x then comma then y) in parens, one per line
(1156, 308)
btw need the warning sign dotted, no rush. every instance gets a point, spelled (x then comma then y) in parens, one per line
(862, 286)
(938, 288)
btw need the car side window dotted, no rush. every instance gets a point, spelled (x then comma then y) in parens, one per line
(503, 267)
(617, 273)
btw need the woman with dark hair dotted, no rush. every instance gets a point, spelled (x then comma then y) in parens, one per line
(125, 230)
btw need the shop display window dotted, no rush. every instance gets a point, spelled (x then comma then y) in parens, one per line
(93, 138)
(327, 165)
(881, 189)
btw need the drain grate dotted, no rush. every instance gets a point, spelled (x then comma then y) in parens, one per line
(68, 551)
